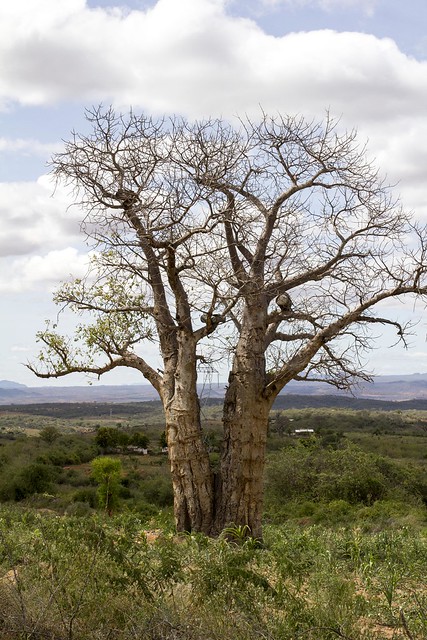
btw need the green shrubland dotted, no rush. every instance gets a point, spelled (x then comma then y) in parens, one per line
(353, 470)
(344, 553)
(96, 577)
(341, 485)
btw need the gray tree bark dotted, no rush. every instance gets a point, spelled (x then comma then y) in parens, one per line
(191, 473)
(239, 500)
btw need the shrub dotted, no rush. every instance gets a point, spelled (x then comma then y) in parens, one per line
(87, 495)
(106, 473)
(78, 509)
(49, 434)
(347, 474)
(158, 491)
(30, 479)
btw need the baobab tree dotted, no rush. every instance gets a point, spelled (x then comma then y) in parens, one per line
(271, 244)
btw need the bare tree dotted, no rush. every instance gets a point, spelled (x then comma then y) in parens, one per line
(274, 241)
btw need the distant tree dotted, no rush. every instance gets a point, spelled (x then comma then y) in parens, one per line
(139, 439)
(269, 245)
(107, 472)
(162, 440)
(282, 424)
(123, 439)
(107, 437)
(49, 434)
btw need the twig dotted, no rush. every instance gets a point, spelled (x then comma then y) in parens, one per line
(405, 625)
(335, 630)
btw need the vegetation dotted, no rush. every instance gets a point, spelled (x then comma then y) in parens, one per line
(58, 474)
(106, 473)
(357, 457)
(344, 552)
(71, 579)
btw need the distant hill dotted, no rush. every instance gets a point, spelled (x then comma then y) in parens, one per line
(102, 393)
(394, 388)
(8, 384)
(293, 401)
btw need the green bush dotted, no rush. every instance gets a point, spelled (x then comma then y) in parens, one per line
(67, 451)
(79, 509)
(49, 434)
(87, 495)
(74, 477)
(347, 474)
(28, 480)
(158, 490)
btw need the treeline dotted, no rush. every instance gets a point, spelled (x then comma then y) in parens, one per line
(291, 401)
(84, 409)
(285, 401)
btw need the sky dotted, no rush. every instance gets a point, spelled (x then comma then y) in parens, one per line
(363, 60)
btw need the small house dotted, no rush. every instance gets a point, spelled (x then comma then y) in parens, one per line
(303, 433)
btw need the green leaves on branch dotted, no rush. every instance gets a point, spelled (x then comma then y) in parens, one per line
(101, 292)
(120, 320)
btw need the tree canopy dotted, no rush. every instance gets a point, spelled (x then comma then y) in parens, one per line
(269, 244)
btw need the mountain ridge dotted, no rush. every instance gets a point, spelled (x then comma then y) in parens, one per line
(390, 388)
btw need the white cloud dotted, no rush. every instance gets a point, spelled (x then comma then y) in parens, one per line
(29, 146)
(192, 57)
(19, 349)
(32, 219)
(400, 155)
(366, 6)
(42, 271)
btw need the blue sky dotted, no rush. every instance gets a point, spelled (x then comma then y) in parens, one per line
(364, 60)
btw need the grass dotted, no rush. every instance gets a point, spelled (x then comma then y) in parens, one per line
(73, 579)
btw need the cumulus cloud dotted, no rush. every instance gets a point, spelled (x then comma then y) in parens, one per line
(401, 157)
(32, 219)
(42, 271)
(193, 58)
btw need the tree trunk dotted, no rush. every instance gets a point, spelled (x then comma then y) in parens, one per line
(241, 482)
(240, 485)
(189, 459)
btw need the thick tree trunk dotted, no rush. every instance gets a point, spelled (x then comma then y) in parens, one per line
(189, 459)
(239, 498)
(240, 490)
